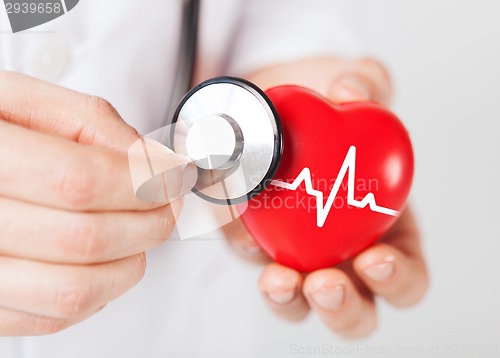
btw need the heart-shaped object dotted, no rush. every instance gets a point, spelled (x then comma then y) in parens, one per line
(345, 175)
(27, 14)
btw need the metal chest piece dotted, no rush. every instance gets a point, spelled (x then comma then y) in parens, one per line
(229, 128)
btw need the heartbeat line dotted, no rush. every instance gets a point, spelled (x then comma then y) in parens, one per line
(324, 210)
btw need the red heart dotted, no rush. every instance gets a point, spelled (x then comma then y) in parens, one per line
(324, 138)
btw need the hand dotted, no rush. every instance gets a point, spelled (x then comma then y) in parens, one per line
(73, 233)
(393, 268)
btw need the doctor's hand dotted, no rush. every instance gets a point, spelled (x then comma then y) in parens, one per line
(73, 233)
(394, 269)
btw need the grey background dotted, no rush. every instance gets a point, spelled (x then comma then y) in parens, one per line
(445, 59)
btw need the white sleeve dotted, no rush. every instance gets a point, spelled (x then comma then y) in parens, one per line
(274, 31)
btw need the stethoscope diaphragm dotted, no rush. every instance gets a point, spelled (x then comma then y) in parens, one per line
(229, 128)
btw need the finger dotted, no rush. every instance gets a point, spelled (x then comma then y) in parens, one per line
(282, 290)
(51, 171)
(334, 297)
(338, 79)
(362, 80)
(395, 268)
(65, 292)
(55, 110)
(16, 323)
(81, 238)
(242, 243)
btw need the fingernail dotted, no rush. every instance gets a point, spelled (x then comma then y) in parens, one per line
(379, 272)
(248, 245)
(251, 249)
(349, 89)
(158, 174)
(282, 297)
(329, 297)
(100, 308)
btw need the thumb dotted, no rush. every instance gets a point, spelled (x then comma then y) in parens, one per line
(350, 88)
(58, 111)
(364, 80)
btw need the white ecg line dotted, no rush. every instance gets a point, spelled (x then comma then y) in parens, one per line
(323, 211)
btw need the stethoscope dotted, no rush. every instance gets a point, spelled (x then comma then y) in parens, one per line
(227, 126)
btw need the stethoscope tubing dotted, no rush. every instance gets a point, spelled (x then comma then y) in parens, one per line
(186, 61)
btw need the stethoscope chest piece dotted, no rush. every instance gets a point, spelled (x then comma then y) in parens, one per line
(229, 128)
